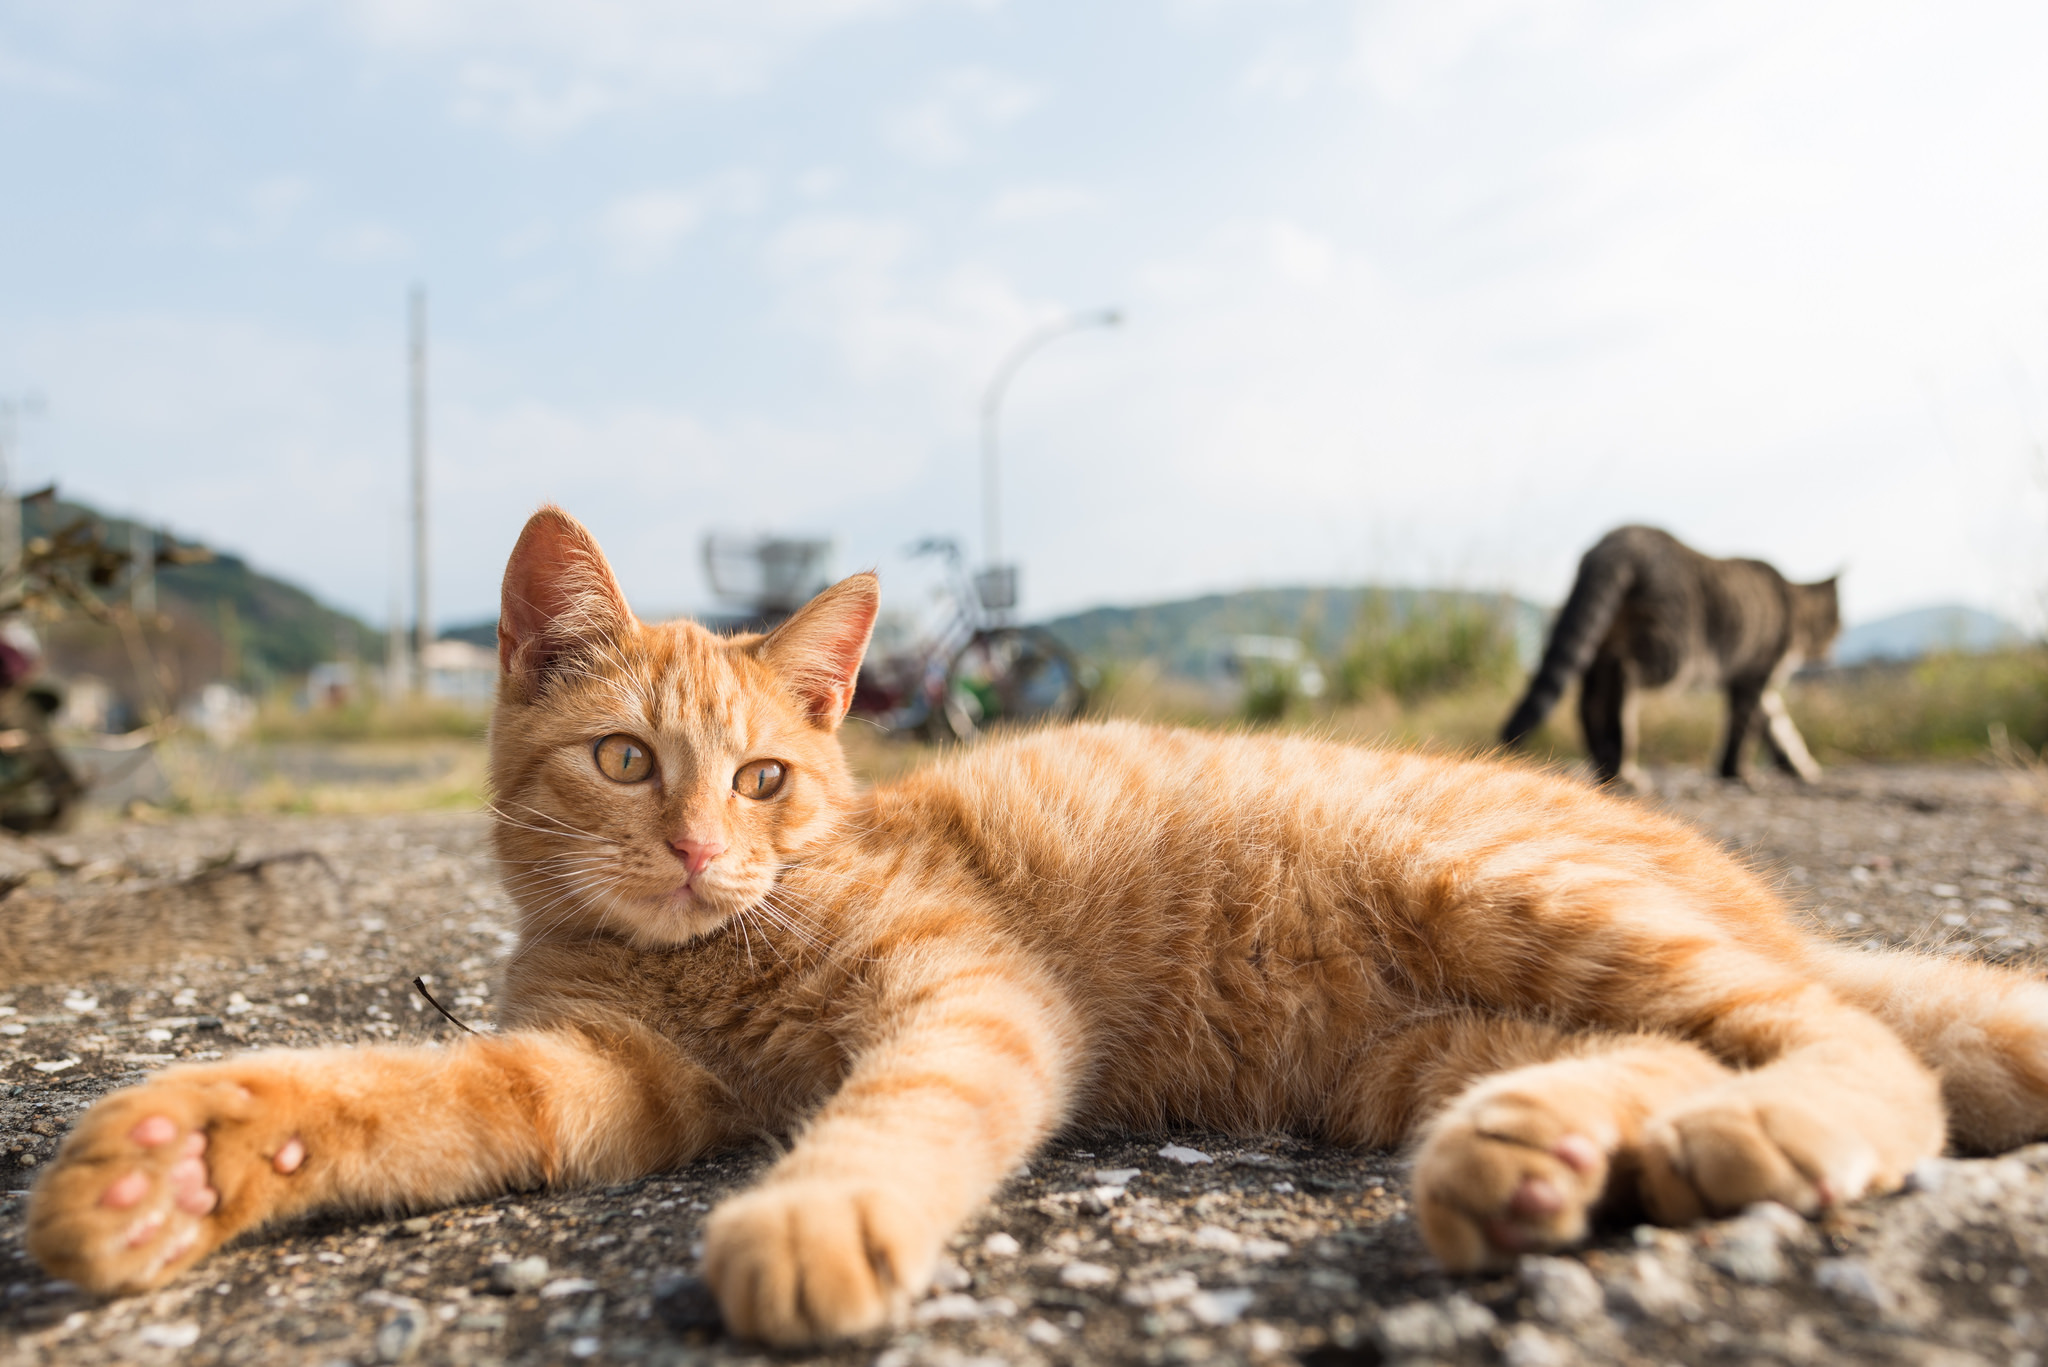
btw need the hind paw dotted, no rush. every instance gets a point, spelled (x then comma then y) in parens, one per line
(1507, 1174)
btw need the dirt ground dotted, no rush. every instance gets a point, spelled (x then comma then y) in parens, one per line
(1180, 1247)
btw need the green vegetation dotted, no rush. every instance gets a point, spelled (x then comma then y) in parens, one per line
(281, 719)
(1442, 644)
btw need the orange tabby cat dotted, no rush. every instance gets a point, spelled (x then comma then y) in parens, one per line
(1551, 991)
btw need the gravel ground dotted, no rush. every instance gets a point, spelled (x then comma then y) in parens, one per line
(1168, 1248)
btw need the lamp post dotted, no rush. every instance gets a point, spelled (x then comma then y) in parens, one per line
(991, 410)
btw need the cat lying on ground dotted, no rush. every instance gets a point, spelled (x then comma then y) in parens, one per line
(1561, 999)
(1648, 611)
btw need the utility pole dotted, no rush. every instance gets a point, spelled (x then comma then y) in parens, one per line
(422, 617)
(991, 413)
(141, 571)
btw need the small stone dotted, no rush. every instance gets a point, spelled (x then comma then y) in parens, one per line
(1180, 1153)
(1647, 1287)
(1528, 1346)
(1218, 1308)
(585, 1346)
(1561, 1290)
(400, 1336)
(417, 1225)
(1265, 1340)
(1162, 1291)
(1851, 1280)
(958, 1306)
(1087, 1276)
(1432, 1326)
(1115, 1177)
(1001, 1245)
(522, 1275)
(1747, 1250)
(684, 1303)
(181, 1335)
(568, 1286)
(1044, 1333)
(1219, 1239)
(950, 1276)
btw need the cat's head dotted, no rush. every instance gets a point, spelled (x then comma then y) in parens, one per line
(653, 780)
(1817, 609)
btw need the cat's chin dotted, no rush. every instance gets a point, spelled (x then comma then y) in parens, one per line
(676, 919)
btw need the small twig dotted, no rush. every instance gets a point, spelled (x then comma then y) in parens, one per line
(420, 986)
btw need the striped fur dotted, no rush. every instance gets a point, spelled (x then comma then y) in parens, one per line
(1564, 1001)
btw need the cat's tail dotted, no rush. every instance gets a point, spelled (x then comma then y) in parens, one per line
(1605, 574)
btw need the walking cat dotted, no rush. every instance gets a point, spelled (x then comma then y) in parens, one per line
(1647, 610)
(1561, 999)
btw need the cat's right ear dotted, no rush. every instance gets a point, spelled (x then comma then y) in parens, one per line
(560, 596)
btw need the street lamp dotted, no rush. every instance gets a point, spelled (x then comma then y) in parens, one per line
(998, 581)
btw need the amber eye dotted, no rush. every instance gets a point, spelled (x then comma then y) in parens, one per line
(761, 779)
(622, 759)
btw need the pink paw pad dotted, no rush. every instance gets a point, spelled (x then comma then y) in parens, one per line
(1535, 1198)
(154, 1130)
(1578, 1153)
(290, 1156)
(126, 1191)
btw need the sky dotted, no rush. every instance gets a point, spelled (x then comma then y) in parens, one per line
(1415, 291)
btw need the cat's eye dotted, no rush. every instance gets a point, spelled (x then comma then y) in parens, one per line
(761, 779)
(622, 759)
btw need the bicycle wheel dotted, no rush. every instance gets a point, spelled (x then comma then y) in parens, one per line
(1011, 676)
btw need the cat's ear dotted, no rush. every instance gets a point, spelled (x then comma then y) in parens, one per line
(559, 596)
(819, 650)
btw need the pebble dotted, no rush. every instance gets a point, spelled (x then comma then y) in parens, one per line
(1115, 1177)
(1218, 1308)
(1161, 1291)
(1180, 1153)
(960, 1306)
(524, 1274)
(1648, 1287)
(1001, 1245)
(1560, 1290)
(1528, 1346)
(568, 1286)
(181, 1335)
(1432, 1326)
(1851, 1280)
(1086, 1276)
(400, 1336)
(1747, 1250)
(1044, 1333)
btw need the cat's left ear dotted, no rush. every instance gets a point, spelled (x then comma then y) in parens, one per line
(819, 650)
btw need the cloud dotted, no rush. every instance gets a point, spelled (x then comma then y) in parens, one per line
(642, 229)
(939, 129)
(1027, 203)
(547, 67)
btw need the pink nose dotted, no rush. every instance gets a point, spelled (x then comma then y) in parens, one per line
(696, 854)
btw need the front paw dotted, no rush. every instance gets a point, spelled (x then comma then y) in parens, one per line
(805, 1262)
(1754, 1141)
(154, 1178)
(1506, 1174)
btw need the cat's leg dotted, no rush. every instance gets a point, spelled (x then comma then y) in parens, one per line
(1983, 1029)
(1745, 705)
(1782, 738)
(156, 1176)
(1523, 1129)
(1830, 1106)
(972, 1074)
(1605, 716)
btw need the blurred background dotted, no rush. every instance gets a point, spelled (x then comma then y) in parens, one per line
(1309, 342)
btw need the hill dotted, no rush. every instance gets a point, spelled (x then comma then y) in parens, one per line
(220, 619)
(1185, 635)
(1926, 631)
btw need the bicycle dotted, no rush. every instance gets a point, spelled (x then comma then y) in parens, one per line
(977, 671)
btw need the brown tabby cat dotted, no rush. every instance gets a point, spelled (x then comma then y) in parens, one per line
(1649, 611)
(1561, 998)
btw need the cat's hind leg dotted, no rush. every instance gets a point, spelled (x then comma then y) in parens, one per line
(1518, 1159)
(156, 1176)
(1983, 1029)
(1782, 739)
(1608, 708)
